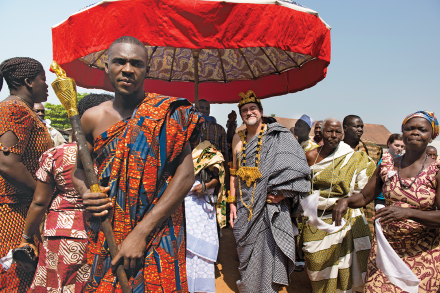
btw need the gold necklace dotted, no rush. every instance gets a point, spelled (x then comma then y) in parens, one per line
(249, 174)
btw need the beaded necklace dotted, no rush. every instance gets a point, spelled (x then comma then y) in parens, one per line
(249, 174)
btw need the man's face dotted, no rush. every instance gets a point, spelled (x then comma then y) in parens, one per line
(39, 110)
(354, 129)
(318, 129)
(251, 114)
(301, 129)
(332, 134)
(431, 152)
(204, 108)
(126, 68)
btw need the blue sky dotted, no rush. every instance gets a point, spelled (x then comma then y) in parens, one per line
(385, 57)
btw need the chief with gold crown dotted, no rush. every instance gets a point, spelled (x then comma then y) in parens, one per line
(268, 167)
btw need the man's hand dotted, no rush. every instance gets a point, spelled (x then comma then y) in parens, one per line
(339, 211)
(97, 203)
(197, 189)
(131, 251)
(275, 198)
(392, 213)
(232, 214)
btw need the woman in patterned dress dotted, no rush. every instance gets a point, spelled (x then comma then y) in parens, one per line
(410, 220)
(23, 138)
(62, 266)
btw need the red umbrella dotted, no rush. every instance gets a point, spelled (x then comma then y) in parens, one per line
(272, 47)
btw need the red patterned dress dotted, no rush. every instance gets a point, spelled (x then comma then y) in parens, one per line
(417, 245)
(33, 140)
(62, 266)
(137, 159)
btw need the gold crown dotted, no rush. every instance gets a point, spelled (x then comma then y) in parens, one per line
(247, 98)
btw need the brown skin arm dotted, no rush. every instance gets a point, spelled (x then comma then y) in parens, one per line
(427, 218)
(12, 168)
(311, 156)
(96, 203)
(371, 190)
(211, 184)
(133, 247)
(42, 196)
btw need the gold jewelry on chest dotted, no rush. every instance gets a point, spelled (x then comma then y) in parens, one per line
(249, 174)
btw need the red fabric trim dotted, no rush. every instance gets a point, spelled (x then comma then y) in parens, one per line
(196, 24)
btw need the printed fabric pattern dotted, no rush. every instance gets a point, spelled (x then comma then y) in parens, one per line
(417, 245)
(138, 157)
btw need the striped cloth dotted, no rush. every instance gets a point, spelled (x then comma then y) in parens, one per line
(338, 261)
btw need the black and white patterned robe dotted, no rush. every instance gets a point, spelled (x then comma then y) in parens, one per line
(266, 244)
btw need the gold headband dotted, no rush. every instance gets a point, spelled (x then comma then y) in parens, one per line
(247, 98)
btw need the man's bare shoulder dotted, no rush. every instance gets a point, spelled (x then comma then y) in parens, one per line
(99, 118)
(311, 156)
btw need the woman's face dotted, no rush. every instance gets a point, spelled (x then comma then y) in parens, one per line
(396, 147)
(417, 133)
(39, 88)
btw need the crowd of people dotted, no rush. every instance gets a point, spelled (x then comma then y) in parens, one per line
(171, 178)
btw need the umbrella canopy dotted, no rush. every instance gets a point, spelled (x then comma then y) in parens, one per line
(271, 47)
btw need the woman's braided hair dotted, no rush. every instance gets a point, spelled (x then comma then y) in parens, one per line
(16, 70)
(92, 100)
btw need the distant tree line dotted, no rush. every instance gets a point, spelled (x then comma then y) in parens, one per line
(58, 115)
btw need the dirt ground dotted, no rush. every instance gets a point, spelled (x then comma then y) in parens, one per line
(226, 271)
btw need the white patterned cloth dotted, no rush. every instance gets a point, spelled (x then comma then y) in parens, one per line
(202, 242)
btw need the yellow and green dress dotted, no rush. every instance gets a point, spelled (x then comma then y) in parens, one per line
(338, 261)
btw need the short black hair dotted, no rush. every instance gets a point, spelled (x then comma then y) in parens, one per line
(203, 100)
(349, 118)
(128, 40)
(92, 100)
(16, 70)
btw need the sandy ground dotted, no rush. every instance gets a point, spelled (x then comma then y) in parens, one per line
(226, 272)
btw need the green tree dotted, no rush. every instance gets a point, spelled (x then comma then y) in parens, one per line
(58, 115)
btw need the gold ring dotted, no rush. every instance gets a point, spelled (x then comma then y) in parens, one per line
(268, 200)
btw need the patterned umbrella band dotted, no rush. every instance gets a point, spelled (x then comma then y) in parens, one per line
(215, 65)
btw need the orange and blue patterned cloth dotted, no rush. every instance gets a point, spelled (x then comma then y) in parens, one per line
(428, 116)
(137, 158)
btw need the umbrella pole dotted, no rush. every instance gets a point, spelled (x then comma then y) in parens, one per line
(196, 53)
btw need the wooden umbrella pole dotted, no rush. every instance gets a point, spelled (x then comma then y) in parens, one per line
(196, 53)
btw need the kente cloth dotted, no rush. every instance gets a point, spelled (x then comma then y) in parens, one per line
(428, 116)
(62, 266)
(338, 261)
(416, 244)
(33, 140)
(207, 156)
(201, 242)
(375, 152)
(66, 215)
(266, 243)
(137, 158)
(309, 145)
(216, 134)
(13, 216)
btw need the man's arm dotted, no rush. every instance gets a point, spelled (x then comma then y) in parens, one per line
(96, 203)
(12, 168)
(133, 247)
